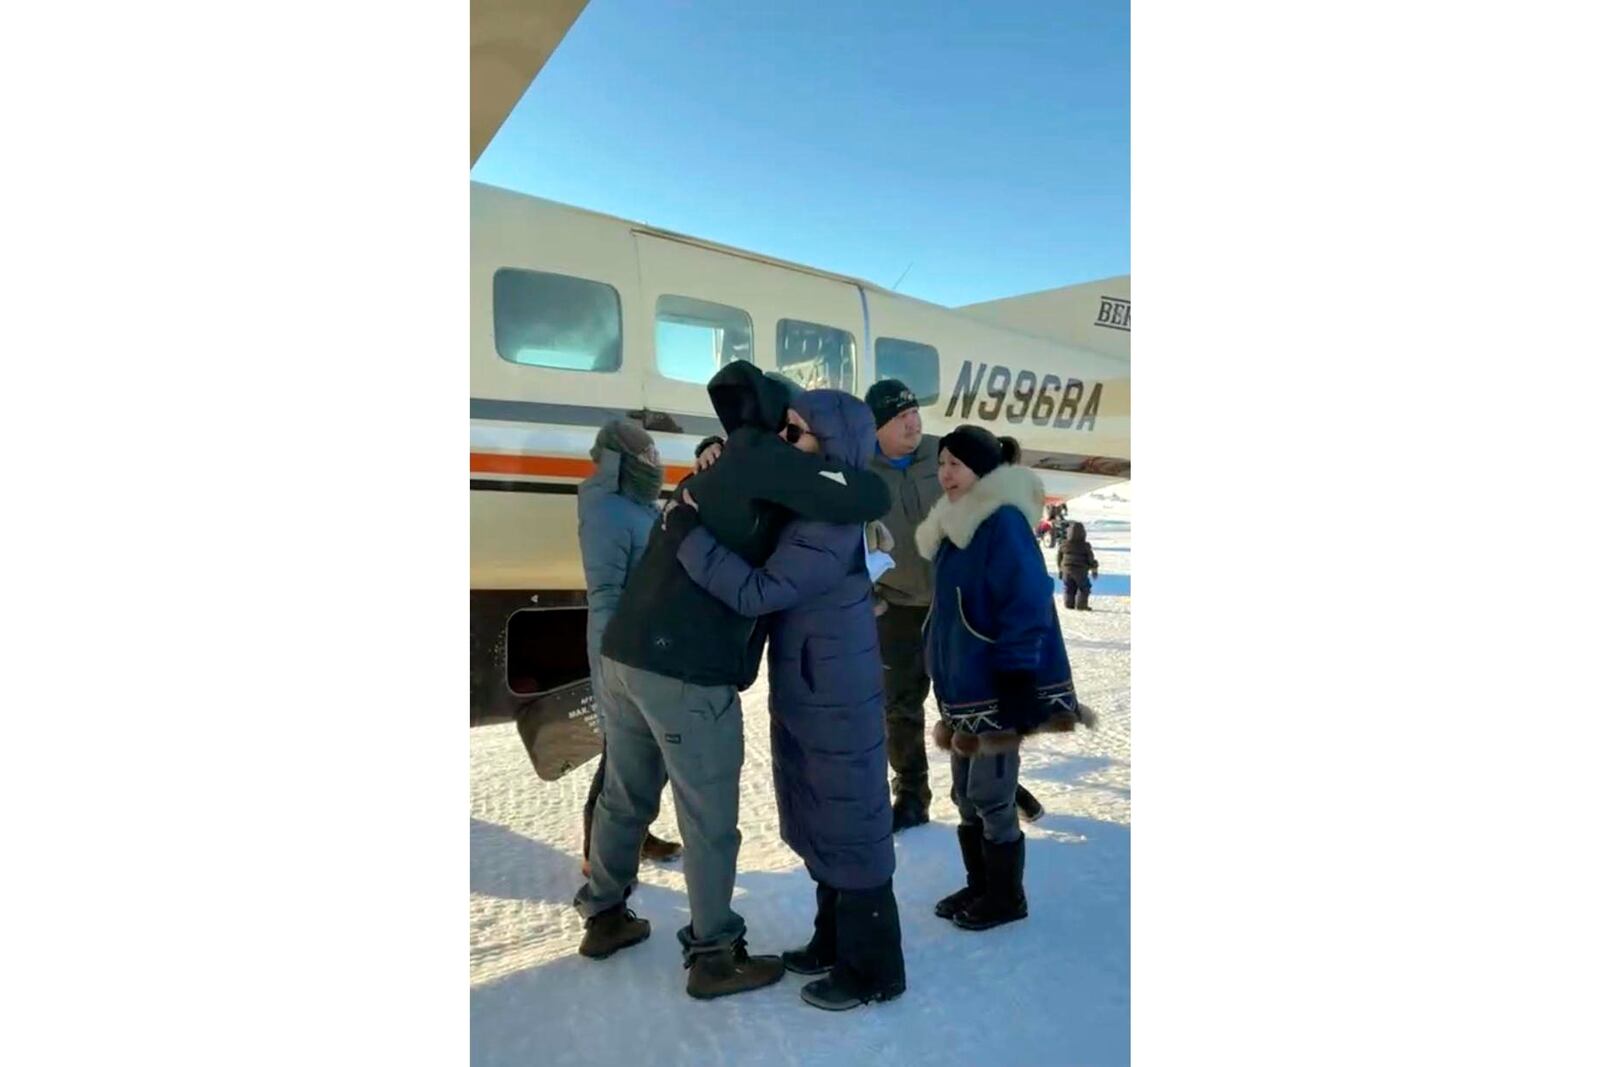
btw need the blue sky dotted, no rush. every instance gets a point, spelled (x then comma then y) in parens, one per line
(985, 145)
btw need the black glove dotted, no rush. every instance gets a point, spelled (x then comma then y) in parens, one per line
(1017, 695)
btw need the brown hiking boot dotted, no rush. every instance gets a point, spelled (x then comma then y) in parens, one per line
(654, 848)
(611, 931)
(731, 970)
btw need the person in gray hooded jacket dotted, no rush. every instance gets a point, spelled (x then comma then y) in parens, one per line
(616, 511)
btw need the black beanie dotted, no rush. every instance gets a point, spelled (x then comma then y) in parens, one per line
(979, 449)
(889, 398)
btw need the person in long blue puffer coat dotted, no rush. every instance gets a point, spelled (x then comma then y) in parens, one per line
(825, 676)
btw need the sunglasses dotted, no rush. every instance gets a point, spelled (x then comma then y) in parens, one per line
(792, 433)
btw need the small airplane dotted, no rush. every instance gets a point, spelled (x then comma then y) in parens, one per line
(578, 317)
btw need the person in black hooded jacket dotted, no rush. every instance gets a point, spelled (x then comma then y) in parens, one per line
(673, 660)
(760, 482)
(825, 695)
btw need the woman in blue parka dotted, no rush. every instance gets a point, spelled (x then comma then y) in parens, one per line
(996, 657)
(825, 678)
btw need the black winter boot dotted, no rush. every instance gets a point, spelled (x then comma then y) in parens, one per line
(1028, 805)
(613, 929)
(971, 840)
(731, 970)
(870, 966)
(819, 955)
(1003, 900)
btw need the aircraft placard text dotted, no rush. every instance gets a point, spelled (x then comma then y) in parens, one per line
(1048, 401)
(1114, 312)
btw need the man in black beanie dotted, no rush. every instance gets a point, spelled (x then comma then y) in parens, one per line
(908, 462)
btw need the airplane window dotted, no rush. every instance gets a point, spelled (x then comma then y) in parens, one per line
(552, 320)
(696, 338)
(915, 364)
(816, 357)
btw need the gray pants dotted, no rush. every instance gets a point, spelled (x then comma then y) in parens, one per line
(661, 730)
(985, 791)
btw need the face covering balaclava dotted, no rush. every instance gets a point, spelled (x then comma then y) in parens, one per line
(637, 478)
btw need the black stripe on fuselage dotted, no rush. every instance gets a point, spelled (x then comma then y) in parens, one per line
(498, 485)
(501, 485)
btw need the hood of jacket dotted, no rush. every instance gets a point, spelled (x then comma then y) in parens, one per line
(627, 477)
(1017, 486)
(742, 395)
(844, 425)
(607, 473)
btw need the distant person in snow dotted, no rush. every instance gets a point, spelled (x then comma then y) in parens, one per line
(826, 702)
(997, 659)
(616, 511)
(1058, 524)
(1075, 561)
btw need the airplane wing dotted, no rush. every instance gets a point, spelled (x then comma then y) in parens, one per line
(511, 39)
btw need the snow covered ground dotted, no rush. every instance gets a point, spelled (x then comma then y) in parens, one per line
(1052, 989)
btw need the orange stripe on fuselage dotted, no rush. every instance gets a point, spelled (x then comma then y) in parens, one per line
(549, 466)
